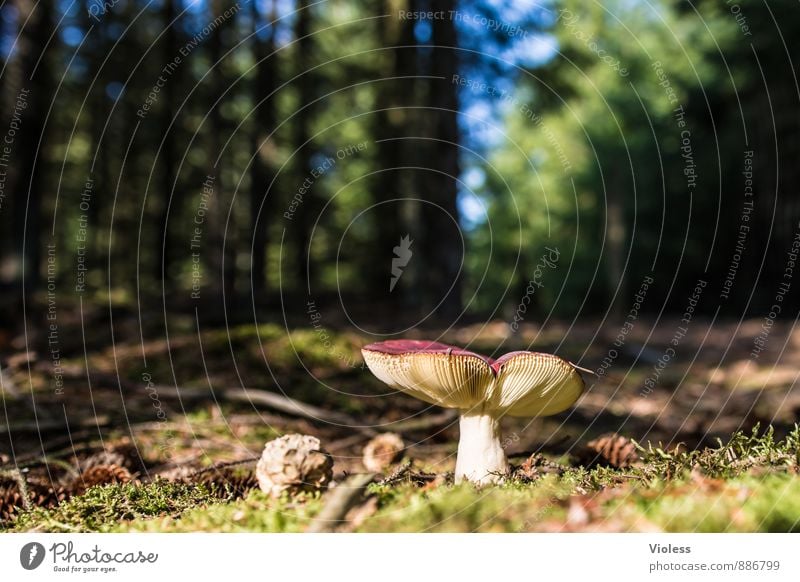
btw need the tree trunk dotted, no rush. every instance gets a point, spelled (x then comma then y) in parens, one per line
(441, 226)
(222, 235)
(303, 220)
(615, 260)
(169, 194)
(28, 96)
(394, 122)
(263, 123)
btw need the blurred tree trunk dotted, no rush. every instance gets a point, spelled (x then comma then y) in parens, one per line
(264, 121)
(306, 214)
(170, 193)
(98, 110)
(26, 94)
(222, 237)
(616, 236)
(442, 242)
(393, 122)
(100, 174)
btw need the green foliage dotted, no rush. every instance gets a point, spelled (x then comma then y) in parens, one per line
(591, 152)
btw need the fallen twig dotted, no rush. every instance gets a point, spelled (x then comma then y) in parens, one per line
(293, 406)
(398, 474)
(347, 442)
(339, 501)
(7, 385)
(52, 425)
(253, 396)
(424, 422)
(273, 400)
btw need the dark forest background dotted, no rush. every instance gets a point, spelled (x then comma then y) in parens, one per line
(240, 160)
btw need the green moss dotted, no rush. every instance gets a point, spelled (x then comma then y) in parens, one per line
(748, 504)
(255, 513)
(464, 508)
(774, 503)
(102, 508)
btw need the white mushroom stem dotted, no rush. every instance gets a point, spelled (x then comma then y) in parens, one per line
(481, 458)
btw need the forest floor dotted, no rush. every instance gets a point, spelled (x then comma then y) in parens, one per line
(711, 446)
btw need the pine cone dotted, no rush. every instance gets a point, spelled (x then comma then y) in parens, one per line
(40, 494)
(226, 483)
(122, 455)
(383, 451)
(100, 475)
(294, 463)
(181, 473)
(47, 495)
(11, 499)
(611, 450)
(536, 466)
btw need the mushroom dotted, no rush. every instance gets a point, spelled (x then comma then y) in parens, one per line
(523, 384)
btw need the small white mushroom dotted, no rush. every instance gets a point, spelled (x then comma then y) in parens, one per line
(524, 384)
(382, 451)
(294, 463)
